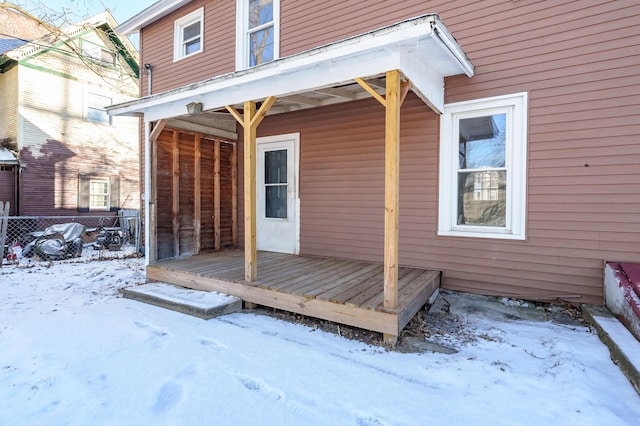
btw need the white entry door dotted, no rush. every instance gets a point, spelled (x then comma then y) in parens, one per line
(278, 205)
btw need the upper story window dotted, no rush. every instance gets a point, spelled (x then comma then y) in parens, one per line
(98, 53)
(258, 32)
(95, 108)
(188, 35)
(483, 150)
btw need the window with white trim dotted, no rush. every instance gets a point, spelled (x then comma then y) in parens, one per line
(483, 159)
(257, 32)
(98, 194)
(188, 35)
(96, 108)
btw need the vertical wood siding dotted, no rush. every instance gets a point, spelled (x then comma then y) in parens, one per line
(186, 194)
(578, 62)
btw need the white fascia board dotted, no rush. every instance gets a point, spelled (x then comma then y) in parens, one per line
(149, 15)
(278, 84)
(362, 56)
(426, 83)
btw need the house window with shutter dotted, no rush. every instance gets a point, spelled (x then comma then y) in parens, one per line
(257, 32)
(98, 194)
(483, 168)
(188, 34)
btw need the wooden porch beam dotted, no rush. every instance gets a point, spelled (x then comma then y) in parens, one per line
(391, 193)
(235, 114)
(262, 112)
(371, 91)
(157, 129)
(234, 195)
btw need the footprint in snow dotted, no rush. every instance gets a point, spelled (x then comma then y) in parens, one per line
(369, 421)
(154, 330)
(261, 388)
(212, 343)
(169, 396)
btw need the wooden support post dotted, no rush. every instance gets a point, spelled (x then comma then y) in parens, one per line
(197, 193)
(250, 249)
(392, 189)
(234, 195)
(250, 121)
(216, 194)
(175, 205)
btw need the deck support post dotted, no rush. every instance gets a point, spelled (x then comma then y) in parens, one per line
(391, 193)
(392, 189)
(396, 91)
(250, 249)
(250, 121)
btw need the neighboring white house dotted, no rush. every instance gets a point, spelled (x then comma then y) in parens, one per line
(69, 155)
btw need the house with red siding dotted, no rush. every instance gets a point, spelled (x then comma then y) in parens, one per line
(60, 152)
(346, 159)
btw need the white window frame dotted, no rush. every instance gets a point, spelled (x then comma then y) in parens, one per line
(178, 34)
(93, 207)
(515, 107)
(242, 33)
(89, 107)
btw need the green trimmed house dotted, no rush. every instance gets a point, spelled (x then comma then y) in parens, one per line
(60, 152)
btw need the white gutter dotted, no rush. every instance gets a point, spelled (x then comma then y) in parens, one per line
(150, 15)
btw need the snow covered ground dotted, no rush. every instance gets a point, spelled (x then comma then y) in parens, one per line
(72, 351)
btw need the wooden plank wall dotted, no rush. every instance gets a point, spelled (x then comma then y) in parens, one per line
(186, 198)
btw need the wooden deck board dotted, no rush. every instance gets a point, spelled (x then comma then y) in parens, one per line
(343, 291)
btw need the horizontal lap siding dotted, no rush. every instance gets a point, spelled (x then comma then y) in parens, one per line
(578, 62)
(217, 58)
(581, 71)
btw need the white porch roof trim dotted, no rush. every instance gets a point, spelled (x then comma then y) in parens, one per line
(421, 48)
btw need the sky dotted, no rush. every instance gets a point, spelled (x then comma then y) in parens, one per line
(73, 351)
(122, 10)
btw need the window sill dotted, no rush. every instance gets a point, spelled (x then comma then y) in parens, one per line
(504, 235)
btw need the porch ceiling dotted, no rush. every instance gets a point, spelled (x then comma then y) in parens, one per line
(421, 48)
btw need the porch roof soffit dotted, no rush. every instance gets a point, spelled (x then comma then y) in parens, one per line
(421, 48)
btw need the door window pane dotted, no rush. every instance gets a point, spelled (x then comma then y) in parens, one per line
(275, 166)
(275, 179)
(276, 201)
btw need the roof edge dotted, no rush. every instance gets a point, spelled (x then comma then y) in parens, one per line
(150, 15)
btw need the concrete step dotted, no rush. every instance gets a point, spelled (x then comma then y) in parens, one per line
(624, 348)
(622, 294)
(202, 304)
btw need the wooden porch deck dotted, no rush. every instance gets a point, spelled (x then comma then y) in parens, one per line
(343, 291)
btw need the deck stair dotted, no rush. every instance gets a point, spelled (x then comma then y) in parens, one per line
(202, 304)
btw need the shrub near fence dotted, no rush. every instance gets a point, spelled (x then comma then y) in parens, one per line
(98, 236)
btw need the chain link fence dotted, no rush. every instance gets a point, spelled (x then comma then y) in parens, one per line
(50, 238)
